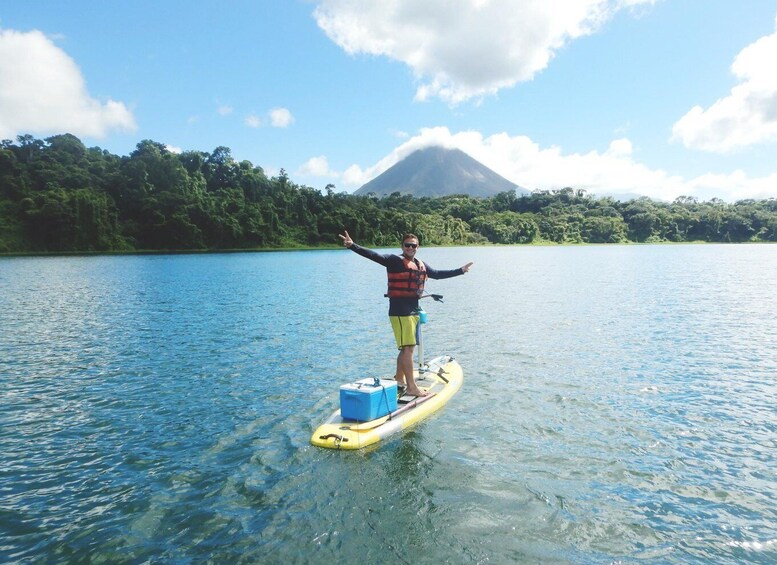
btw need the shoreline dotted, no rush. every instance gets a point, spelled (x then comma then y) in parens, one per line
(335, 247)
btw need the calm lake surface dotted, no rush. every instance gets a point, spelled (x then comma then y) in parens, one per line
(618, 405)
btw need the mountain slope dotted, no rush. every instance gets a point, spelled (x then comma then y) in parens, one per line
(435, 171)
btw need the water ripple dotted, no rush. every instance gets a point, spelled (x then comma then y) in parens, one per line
(618, 406)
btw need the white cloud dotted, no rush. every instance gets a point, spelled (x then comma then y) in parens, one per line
(467, 48)
(748, 115)
(253, 121)
(317, 167)
(281, 117)
(620, 148)
(614, 171)
(733, 186)
(224, 110)
(174, 149)
(43, 91)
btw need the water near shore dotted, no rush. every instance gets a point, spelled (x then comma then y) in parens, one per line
(619, 404)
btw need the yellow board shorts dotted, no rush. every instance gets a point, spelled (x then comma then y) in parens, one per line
(405, 330)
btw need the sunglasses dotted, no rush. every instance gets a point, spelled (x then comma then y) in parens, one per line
(411, 245)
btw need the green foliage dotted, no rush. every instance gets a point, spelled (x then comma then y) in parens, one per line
(506, 227)
(604, 229)
(56, 195)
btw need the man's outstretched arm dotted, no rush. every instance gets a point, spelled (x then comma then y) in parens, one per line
(363, 251)
(435, 274)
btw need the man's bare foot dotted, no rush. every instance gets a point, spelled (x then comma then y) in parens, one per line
(415, 391)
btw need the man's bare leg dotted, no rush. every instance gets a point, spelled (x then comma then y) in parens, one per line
(404, 374)
(400, 374)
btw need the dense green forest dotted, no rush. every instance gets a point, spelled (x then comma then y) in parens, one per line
(56, 195)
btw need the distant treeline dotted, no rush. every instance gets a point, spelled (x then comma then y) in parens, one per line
(56, 195)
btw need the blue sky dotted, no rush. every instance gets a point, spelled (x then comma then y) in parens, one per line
(655, 97)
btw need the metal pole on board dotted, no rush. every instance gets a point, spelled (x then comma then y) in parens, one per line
(421, 322)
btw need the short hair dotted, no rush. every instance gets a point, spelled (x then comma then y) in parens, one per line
(410, 236)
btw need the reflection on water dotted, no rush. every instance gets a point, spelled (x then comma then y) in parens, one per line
(618, 405)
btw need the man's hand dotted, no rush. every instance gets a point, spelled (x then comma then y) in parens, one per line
(465, 268)
(347, 241)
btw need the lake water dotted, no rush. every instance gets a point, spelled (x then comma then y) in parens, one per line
(618, 405)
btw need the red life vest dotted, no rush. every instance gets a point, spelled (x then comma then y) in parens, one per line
(408, 283)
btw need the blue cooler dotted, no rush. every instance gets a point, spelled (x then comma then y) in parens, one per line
(368, 399)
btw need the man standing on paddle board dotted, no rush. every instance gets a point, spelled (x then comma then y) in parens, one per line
(406, 276)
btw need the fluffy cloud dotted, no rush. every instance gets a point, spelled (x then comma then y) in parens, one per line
(466, 48)
(610, 172)
(43, 92)
(317, 167)
(748, 115)
(253, 121)
(281, 117)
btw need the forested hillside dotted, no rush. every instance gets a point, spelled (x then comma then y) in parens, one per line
(56, 195)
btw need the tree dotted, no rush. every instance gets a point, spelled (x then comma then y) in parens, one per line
(81, 220)
(643, 220)
(221, 169)
(58, 195)
(604, 229)
(506, 227)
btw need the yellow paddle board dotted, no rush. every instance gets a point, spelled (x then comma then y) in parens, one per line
(442, 377)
